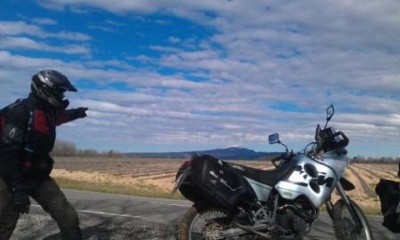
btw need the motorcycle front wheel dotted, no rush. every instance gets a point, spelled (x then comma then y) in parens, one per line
(344, 225)
(207, 224)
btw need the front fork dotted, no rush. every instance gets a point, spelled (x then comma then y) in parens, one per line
(329, 208)
(346, 199)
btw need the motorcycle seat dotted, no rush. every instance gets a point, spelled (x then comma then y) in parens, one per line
(268, 177)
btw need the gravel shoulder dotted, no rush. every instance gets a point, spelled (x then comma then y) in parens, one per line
(38, 225)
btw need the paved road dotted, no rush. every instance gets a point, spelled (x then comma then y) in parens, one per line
(109, 216)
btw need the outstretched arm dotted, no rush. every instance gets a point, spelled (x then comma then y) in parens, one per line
(70, 115)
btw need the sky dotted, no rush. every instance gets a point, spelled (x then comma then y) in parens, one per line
(193, 75)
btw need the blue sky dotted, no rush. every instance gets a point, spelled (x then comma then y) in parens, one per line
(193, 75)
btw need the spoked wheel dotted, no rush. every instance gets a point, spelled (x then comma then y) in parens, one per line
(344, 225)
(208, 224)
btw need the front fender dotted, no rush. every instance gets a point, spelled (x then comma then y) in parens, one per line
(347, 185)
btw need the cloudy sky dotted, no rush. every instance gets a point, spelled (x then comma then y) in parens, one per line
(192, 75)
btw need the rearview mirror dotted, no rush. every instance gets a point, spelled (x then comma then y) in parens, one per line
(329, 112)
(317, 133)
(273, 138)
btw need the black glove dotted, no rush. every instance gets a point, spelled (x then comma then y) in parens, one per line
(64, 104)
(81, 112)
(20, 199)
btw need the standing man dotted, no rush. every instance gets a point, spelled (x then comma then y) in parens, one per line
(27, 136)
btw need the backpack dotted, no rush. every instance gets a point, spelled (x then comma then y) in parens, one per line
(389, 195)
(4, 111)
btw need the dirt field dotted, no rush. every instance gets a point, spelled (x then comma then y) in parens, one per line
(159, 175)
(126, 172)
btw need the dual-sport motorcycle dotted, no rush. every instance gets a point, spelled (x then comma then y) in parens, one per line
(232, 201)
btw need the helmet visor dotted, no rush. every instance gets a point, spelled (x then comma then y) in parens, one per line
(59, 93)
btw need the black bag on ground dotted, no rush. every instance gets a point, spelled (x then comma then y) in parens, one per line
(218, 183)
(389, 195)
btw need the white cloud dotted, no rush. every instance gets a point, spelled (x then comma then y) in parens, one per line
(15, 28)
(44, 21)
(18, 62)
(102, 28)
(27, 43)
(174, 39)
(18, 28)
(141, 58)
(164, 49)
(20, 42)
(73, 36)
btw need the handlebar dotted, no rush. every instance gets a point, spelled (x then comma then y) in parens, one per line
(281, 156)
(332, 141)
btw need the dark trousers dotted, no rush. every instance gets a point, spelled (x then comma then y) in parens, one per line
(51, 198)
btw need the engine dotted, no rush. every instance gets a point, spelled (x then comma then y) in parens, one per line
(287, 219)
(296, 215)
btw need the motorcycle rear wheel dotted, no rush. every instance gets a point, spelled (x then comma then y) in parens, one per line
(344, 225)
(207, 224)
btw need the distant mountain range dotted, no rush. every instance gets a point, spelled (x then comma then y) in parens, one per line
(231, 153)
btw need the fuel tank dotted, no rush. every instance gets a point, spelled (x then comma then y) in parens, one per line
(313, 178)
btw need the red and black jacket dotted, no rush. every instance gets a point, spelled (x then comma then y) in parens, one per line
(28, 133)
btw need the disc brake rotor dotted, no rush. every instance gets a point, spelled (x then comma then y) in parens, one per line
(212, 231)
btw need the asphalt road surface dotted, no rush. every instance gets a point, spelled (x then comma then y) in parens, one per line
(117, 217)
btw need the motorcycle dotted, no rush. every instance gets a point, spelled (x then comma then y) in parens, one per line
(232, 201)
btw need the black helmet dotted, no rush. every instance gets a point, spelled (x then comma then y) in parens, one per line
(51, 85)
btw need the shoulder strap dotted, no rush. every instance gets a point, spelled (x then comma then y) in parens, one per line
(30, 108)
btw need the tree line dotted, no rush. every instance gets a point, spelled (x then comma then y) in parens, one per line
(64, 148)
(363, 159)
(68, 149)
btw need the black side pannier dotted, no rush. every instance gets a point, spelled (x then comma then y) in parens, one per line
(219, 184)
(389, 195)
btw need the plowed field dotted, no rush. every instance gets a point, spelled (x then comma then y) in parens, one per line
(159, 174)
